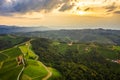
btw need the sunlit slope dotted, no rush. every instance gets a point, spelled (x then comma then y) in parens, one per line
(9, 68)
(20, 63)
(34, 69)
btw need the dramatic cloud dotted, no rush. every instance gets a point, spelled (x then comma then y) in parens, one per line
(65, 7)
(111, 7)
(21, 6)
(117, 12)
(11, 7)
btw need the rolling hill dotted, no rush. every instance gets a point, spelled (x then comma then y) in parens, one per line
(86, 35)
(21, 63)
(80, 61)
(67, 55)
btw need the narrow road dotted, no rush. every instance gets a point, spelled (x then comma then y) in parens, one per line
(49, 73)
(18, 78)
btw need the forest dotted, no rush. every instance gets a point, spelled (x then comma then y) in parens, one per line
(80, 61)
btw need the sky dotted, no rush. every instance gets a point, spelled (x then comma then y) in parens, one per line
(61, 13)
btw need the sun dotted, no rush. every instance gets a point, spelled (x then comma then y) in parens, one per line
(8, 1)
(81, 13)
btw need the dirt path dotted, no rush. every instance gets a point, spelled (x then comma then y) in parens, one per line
(49, 73)
(18, 78)
(1, 64)
(4, 54)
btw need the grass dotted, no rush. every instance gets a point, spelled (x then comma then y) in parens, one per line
(8, 65)
(12, 52)
(55, 43)
(35, 70)
(55, 74)
(13, 39)
(116, 48)
(9, 68)
(2, 57)
(11, 74)
(24, 49)
(27, 51)
(62, 48)
(111, 54)
(86, 48)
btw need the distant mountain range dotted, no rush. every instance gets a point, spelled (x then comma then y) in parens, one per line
(104, 36)
(13, 29)
(85, 35)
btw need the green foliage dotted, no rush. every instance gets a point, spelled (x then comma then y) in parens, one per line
(10, 69)
(55, 74)
(12, 52)
(28, 53)
(84, 36)
(34, 70)
(109, 53)
(86, 61)
(116, 48)
(12, 74)
(8, 41)
(2, 57)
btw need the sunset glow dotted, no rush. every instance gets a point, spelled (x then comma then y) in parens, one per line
(46, 12)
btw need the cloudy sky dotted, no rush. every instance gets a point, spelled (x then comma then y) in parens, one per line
(61, 13)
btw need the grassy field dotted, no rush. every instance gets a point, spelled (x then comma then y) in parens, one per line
(34, 70)
(2, 57)
(55, 74)
(8, 63)
(111, 54)
(9, 68)
(28, 53)
(116, 48)
(86, 48)
(12, 74)
(81, 48)
(12, 52)
(13, 39)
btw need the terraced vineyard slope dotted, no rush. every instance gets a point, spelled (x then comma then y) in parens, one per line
(21, 63)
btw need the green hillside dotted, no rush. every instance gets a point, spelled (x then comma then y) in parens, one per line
(9, 65)
(80, 61)
(45, 59)
(103, 36)
(8, 40)
(20, 63)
